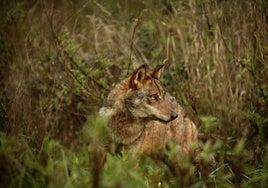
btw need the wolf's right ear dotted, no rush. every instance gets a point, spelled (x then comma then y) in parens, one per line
(138, 76)
(156, 73)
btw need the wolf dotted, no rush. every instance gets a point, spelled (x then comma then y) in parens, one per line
(145, 119)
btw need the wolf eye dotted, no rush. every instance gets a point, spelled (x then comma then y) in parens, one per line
(153, 97)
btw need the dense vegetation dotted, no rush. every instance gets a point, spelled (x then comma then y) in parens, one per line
(59, 59)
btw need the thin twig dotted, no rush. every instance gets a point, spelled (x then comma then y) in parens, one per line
(65, 165)
(138, 20)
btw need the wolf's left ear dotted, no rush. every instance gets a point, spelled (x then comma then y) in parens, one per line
(156, 73)
(138, 76)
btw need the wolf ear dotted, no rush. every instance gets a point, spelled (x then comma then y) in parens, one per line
(138, 76)
(156, 73)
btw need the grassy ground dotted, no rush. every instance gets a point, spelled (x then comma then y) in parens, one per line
(59, 59)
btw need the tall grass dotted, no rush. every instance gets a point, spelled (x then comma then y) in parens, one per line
(60, 59)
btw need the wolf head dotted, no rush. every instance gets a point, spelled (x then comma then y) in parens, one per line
(145, 97)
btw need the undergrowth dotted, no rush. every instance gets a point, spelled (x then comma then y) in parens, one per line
(59, 60)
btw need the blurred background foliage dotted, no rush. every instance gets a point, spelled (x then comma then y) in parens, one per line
(59, 59)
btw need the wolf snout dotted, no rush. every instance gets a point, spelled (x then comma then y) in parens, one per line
(173, 115)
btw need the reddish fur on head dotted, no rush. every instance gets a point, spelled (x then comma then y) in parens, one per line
(140, 76)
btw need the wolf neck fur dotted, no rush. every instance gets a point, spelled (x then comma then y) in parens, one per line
(123, 127)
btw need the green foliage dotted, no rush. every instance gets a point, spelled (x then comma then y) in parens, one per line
(121, 175)
(260, 121)
(208, 122)
(53, 165)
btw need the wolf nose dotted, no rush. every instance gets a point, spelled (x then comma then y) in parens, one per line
(173, 115)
